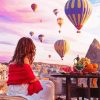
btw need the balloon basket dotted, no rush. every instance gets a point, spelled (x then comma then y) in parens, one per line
(78, 31)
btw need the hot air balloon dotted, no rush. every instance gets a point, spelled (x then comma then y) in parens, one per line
(49, 56)
(55, 11)
(31, 33)
(61, 47)
(78, 11)
(41, 37)
(60, 22)
(34, 7)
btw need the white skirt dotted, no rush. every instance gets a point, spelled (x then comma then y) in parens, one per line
(48, 92)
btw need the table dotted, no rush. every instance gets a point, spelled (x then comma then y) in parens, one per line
(76, 91)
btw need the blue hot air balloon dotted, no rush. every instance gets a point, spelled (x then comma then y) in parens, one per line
(78, 11)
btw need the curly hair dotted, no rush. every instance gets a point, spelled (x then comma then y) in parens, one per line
(24, 48)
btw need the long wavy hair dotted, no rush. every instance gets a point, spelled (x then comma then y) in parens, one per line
(25, 48)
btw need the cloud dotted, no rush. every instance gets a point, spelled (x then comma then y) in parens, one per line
(6, 43)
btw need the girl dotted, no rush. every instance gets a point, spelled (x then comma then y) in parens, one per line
(21, 79)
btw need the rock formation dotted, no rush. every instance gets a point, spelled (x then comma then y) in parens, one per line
(93, 52)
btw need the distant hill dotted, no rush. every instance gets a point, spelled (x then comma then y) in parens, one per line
(94, 52)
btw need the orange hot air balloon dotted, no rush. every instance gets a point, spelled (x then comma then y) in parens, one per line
(60, 22)
(55, 11)
(41, 37)
(31, 33)
(34, 7)
(61, 47)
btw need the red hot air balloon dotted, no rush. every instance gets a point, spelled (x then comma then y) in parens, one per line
(34, 7)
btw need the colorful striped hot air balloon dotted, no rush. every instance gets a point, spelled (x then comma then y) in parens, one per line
(78, 11)
(61, 47)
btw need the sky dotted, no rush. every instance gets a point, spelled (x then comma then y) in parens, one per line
(17, 19)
